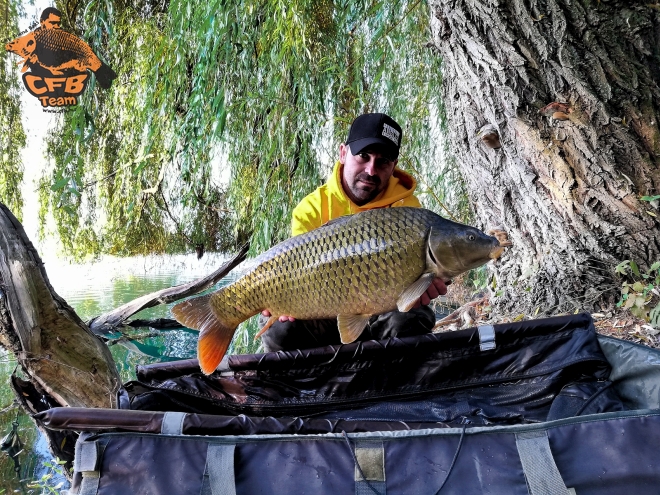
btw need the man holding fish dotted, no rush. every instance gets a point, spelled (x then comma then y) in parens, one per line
(353, 262)
(365, 177)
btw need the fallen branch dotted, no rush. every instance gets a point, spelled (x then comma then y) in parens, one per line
(158, 323)
(457, 316)
(108, 322)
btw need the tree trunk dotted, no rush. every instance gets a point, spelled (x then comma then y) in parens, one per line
(55, 349)
(565, 183)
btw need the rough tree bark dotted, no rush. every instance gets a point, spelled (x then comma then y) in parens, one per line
(566, 181)
(55, 349)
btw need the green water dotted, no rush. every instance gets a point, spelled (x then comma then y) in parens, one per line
(91, 290)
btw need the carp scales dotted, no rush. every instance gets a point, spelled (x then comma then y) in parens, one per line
(350, 268)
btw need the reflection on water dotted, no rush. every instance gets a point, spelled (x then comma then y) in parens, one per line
(93, 289)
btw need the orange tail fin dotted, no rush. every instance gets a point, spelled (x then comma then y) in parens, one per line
(214, 335)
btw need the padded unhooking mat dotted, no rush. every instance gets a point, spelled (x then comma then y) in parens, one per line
(429, 415)
(514, 373)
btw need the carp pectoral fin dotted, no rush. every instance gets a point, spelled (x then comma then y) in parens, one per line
(270, 321)
(351, 327)
(214, 336)
(412, 294)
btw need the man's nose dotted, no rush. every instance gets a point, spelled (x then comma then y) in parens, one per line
(370, 166)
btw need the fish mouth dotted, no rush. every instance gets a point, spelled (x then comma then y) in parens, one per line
(503, 242)
(496, 252)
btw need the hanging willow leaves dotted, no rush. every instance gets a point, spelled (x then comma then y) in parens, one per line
(226, 113)
(12, 135)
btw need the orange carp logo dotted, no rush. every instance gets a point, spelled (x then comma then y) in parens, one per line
(58, 62)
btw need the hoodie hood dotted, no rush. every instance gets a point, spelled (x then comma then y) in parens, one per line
(329, 201)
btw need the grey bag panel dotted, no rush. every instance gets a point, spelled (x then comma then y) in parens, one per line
(610, 457)
(314, 466)
(152, 465)
(604, 454)
(486, 464)
(635, 372)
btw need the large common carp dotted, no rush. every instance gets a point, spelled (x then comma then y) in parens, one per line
(350, 268)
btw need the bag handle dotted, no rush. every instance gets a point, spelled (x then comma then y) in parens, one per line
(219, 478)
(541, 472)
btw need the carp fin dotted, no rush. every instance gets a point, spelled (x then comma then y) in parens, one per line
(411, 295)
(337, 221)
(351, 327)
(192, 313)
(214, 335)
(270, 321)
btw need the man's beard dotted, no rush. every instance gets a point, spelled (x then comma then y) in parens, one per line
(362, 194)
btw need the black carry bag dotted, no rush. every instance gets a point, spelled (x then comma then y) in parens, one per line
(536, 407)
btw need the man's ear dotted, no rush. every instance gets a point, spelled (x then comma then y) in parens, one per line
(343, 149)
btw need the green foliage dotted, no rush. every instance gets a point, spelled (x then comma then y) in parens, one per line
(640, 291)
(12, 135)
(43, 484)
(477, 279)
(260, 92)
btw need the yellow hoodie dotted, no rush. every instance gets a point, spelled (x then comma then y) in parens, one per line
(330, 201)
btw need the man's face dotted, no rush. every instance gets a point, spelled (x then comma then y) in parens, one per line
(366, 174)
(53, 22)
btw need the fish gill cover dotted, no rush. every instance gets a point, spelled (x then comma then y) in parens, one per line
(58, 62)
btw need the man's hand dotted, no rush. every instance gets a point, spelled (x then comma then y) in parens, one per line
(282, 318)
(437, 288)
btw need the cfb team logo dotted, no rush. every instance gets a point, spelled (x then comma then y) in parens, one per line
(58, 62)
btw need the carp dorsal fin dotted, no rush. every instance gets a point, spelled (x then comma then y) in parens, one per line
(411, 295)
(337, 221)
(351, 327)
(214, 335)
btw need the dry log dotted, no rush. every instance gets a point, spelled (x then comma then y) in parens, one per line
(56, 350)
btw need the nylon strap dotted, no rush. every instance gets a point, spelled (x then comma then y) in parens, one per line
(86, 462)
(219, 477)
(541, 472)
(486, 337)
(90, 483)
(370, 457)
(172, 423)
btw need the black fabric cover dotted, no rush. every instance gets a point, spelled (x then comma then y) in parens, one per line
(83, 419)
(540, 370)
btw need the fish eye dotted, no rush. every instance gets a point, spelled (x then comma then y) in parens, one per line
(471, 237)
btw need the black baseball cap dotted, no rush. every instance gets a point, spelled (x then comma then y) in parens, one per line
(375, 128)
